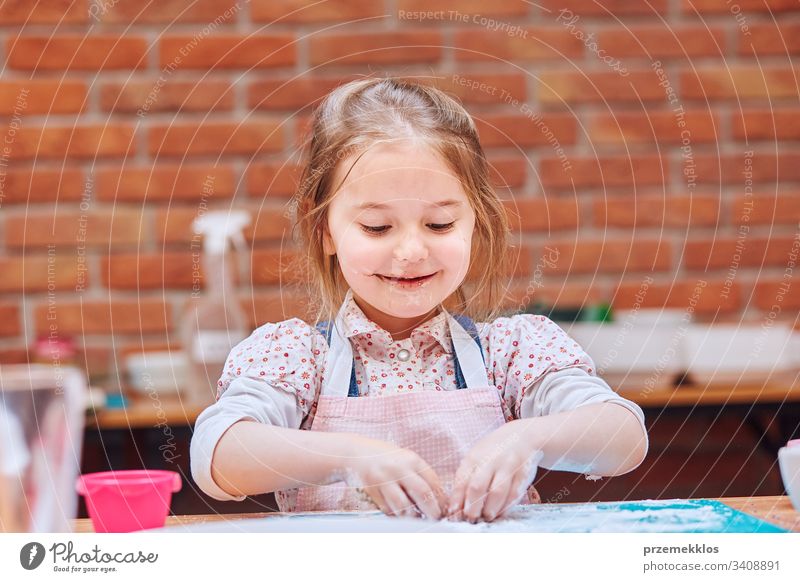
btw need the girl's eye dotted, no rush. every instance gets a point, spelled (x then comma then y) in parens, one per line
(382, 229)
(374, 229)
(442, 227)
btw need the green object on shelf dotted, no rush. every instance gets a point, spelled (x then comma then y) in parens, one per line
(601, 312)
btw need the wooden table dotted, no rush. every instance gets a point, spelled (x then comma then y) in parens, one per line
(775, 509)
(144, 412)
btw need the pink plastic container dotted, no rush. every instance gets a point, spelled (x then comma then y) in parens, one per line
(124, 501)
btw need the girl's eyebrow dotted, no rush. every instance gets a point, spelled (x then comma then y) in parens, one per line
(379, 206)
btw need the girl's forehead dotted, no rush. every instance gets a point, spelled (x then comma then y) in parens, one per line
(392, 172)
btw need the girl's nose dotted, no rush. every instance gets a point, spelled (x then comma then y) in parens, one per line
(411, 249)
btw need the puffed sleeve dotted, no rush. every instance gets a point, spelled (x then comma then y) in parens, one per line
(272, 377)
(544, 371)
(523, 349)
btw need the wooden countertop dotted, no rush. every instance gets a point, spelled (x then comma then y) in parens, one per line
(774, 509)
(144, 412)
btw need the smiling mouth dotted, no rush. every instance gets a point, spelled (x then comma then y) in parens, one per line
(407, 280)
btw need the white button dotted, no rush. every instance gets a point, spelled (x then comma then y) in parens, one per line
(403, 355)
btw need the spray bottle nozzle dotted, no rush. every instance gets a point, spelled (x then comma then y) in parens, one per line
(218, 226)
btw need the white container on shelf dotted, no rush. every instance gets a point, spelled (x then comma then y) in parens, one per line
(161, 373)
(735, 353)
(789, 462)
(639, 350)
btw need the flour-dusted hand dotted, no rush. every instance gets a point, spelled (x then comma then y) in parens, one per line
(397, 480)
(495, 473)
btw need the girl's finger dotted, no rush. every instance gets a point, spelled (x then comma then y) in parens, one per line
(517, 490)
(499, 491)
(477, 489)
(435, 485)
(418, 490)
(378, 499)
(397, 500)
(456, 504)
(523, 478)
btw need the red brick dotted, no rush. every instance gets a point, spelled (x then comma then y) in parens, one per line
(9, 320)
(215, 138)
(41, 96)
(551, 290)
(605, 9)
(380, 47)
(228, 51)
(301, 12)
(770, 292)
(529, 44)
(43, 12)
(663, 42)
(79, 142)
(728, 252)
(766, 124)
(521, 258)
(526, 130)
(542, 214)
(484, 88)
(174, 226)
(599, 87)
(144, 97)
(729, 169)
(708, 299)
(41, 185)
(274, 306)
(658, 211)
(610, 255)
(508, 171)
(291, 93)
(76, 53)
(739, 82)
(69, 229)
(220, 12)
(133, 317)
(165, 182)
(271, 266)
(168, 270)
(770, 39)
(273, 179)
(768, 209)
(653, 128)
(297, 93)
(521, 263)
(471, 8)
(97, 360)
(606, 171)
(724, 7)
(40, 272)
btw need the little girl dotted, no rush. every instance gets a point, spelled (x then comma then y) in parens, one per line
(399, 400)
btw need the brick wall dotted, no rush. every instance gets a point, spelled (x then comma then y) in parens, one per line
(639, 140)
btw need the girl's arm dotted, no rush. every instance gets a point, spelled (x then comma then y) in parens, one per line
(602, 439)
(252, 458)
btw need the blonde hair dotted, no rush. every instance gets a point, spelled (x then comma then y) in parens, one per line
(360, 113)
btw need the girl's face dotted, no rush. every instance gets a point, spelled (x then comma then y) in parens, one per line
(400, 213)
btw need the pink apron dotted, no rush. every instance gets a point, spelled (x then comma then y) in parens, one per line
(440, 426)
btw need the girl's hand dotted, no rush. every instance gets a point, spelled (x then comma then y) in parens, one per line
(495, 473)
(397, 480)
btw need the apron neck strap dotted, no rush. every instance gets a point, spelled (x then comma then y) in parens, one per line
(340, 380)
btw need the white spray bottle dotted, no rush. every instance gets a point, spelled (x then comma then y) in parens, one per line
(214, 322)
